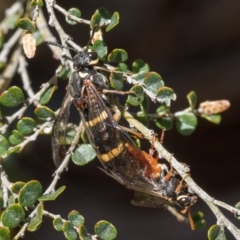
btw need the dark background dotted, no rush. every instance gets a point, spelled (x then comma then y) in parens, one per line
(194, 45)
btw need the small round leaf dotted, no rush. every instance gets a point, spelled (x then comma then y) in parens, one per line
(29, 193)
(3, 145)
(45, 98)
(1, 204)
(238, 208)
(69, 231)
(83, 154)
(75, 12)
(36, 221)
(101, 49)
(17, 186)
(83, 233)
(216, 233)
(12, 97)
(38, 3)
(44, 113)
(114, 21)
(140, 77)
(199, 221)
(57, 224)
(192, 99)
(117, 56)
(1, 39)
(26, 125)
(140, 66)
(116, 80)
(105, 230)
(4, 233)
(166, 94)
(75, 218)
(64, 73)
(52, 196)
(137, 97)
(214, 118)
(12, 216)
(186, 123)
(100, 18)
(153, 81)
(26, 24)
(165, 123)
(123, 67)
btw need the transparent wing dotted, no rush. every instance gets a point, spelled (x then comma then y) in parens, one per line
(59, 130)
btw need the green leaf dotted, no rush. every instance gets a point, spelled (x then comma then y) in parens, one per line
(100, 18)
(36, 220)
(12, 216)
(1, 204)
(237, 206)
(192, 99)
(38, 37)
(45, 98)
(16, 137)
(38, 3)
(1, 39)
(17, 186)
(199, 221)
(140, 77)
(123, 67)
(83, 233)
(44, 113)
(105, 230)
(57, 224)
(116, 80)
(138, 97)
(162, 110)
(30, 193)
(69, 231)
(3, 145)
(166, 94)
(165, 123)
(26, 24)
(83, 154)
(75, 218)
(65, 73)
(153, 81)
(101, 49)
(186, 123)
(52, 196)
(26, 125)
(4, 233)
(12, 97)
(140, 66)
(114, 21)
(75, 12)
(216, 233)
(117, 55)
(213, 118)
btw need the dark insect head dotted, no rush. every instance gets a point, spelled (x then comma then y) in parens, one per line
(82, 59)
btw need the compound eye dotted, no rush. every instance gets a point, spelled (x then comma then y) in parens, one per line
(93, 56)
(184, 201)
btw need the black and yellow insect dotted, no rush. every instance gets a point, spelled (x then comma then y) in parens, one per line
(119, 156)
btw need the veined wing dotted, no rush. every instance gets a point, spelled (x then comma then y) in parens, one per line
(116, 151)
(59, 130)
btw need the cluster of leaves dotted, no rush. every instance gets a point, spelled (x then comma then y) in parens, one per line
(147, 85)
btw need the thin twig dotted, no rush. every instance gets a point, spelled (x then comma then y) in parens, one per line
(65, 161)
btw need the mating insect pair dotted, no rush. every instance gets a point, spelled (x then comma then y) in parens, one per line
(120, 157)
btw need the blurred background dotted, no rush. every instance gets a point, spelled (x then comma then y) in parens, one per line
(193, 45)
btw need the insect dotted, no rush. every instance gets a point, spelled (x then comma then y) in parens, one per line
(117, 152)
